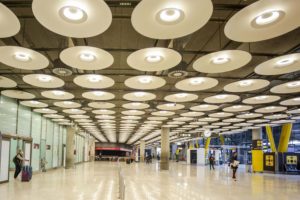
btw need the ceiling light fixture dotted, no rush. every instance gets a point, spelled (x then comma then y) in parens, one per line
(220, 60)
(267, 18)
(139, 94)
(87, 56)
(154, 58)
(67, 102)
(98, 93)
(296, 99)
(181, 95)
(21, 56)
(145, 79)
(245, 83)
(73, 14)
(94, 78)
(44, 78)
(237, 107)
(285, 62)
(221, 96)
(58, 93)
(34, 102)
(196, 81)
(293, 84)
(260, 98)
(170, 16)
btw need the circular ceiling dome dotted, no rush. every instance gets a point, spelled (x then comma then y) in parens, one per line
(204, 107)
(43, 80)
(34, 104)
(154, 59)
(139, 96)
(262, 20)
(170, 106)
(45, 111)
(169, 19)
(145, 82)
(246, 85)
(262, 99)
(237, 108)
(22, 58)
(279, 65)
(196, 84)
(57, 94)
(181, 97)
(93, 81)
(221, 98)
(17, 94)
(86, 58)
(101, 105)
(78, 19)
(222, 61)
(7, 83)
(98, 95)
(67, 104)
(287, 88)
(136, 105)
(291, 102)
(271, 109)
(9, 22)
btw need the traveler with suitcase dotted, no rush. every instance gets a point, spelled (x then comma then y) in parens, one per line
(18, 161)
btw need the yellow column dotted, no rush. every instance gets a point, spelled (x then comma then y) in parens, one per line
(222, 140)
(257, 152)
(285, 137)
(207, 142)
(271, 138)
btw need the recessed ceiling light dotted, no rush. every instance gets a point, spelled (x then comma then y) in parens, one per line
(87, 56)
(170, 16)
(67, 102)
(154, 58)
(270, 108)
(145, 79)
(245, 83)
(44, 78)
(139, 94)
(204, 106)
(196, 81)
(181, 95)
(58, 93)
(296, 99)
(170, 104)
(21, 56)
(98, 93)
(136, 104)
(34, 102)
(259, 98)
(237, 107)
(285, 62)
(293, 84)
(73, 14)
(221, 96)
(220, 60)
(94, 78)
(267, 18)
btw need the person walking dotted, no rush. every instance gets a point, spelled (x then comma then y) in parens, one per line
(234, 163)
(211, 162)
(177, 155)
(18, 161)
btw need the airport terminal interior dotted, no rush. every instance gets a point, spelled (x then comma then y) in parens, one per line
(149, 99)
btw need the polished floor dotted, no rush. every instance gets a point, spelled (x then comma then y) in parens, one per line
(99, 181)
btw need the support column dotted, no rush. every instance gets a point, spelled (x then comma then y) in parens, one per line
(257, 150)
(70, 147)
(271, 138)
(285, 137)
(165, 148)
(142, 151)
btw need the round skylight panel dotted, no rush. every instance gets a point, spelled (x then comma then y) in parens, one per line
(220, 114)
(154, 59)
(86, 58)
(57, 94)
(145, 82)
(78, 19)
(222, 61)
(139, 96)
(93, 81)
(192, 114)
(233, 120)
(157, 118)
(222, 98)
(221, 124)
(67, 104)
(22, 58)
(53, 116)
(101, 105)
(79, 116)
(196, 84)
(208, 119)
(103, 112)
(237, 108)
(17, 94)
(170, 106)
(136, 105)
(279, 65)
(295, 111)
(287, 88)
(43, 80)
(74, 111)
(262, 99)
(262, 20)
(45, 111)
(98, 95)
(249, 115)
(276, 116)
(9, 22)
(34, 104)
(257, 121)
(6, 82)
(133, 112)
(181, 97)
(291, 102)
(169, 19)
(204, 107)
(163, 113)
(271, 109)
(183, 119)
(283, 121)
(246, 85)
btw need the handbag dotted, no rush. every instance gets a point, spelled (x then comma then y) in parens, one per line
(235, 163)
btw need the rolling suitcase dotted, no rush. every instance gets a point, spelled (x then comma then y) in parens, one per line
(26, 173)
